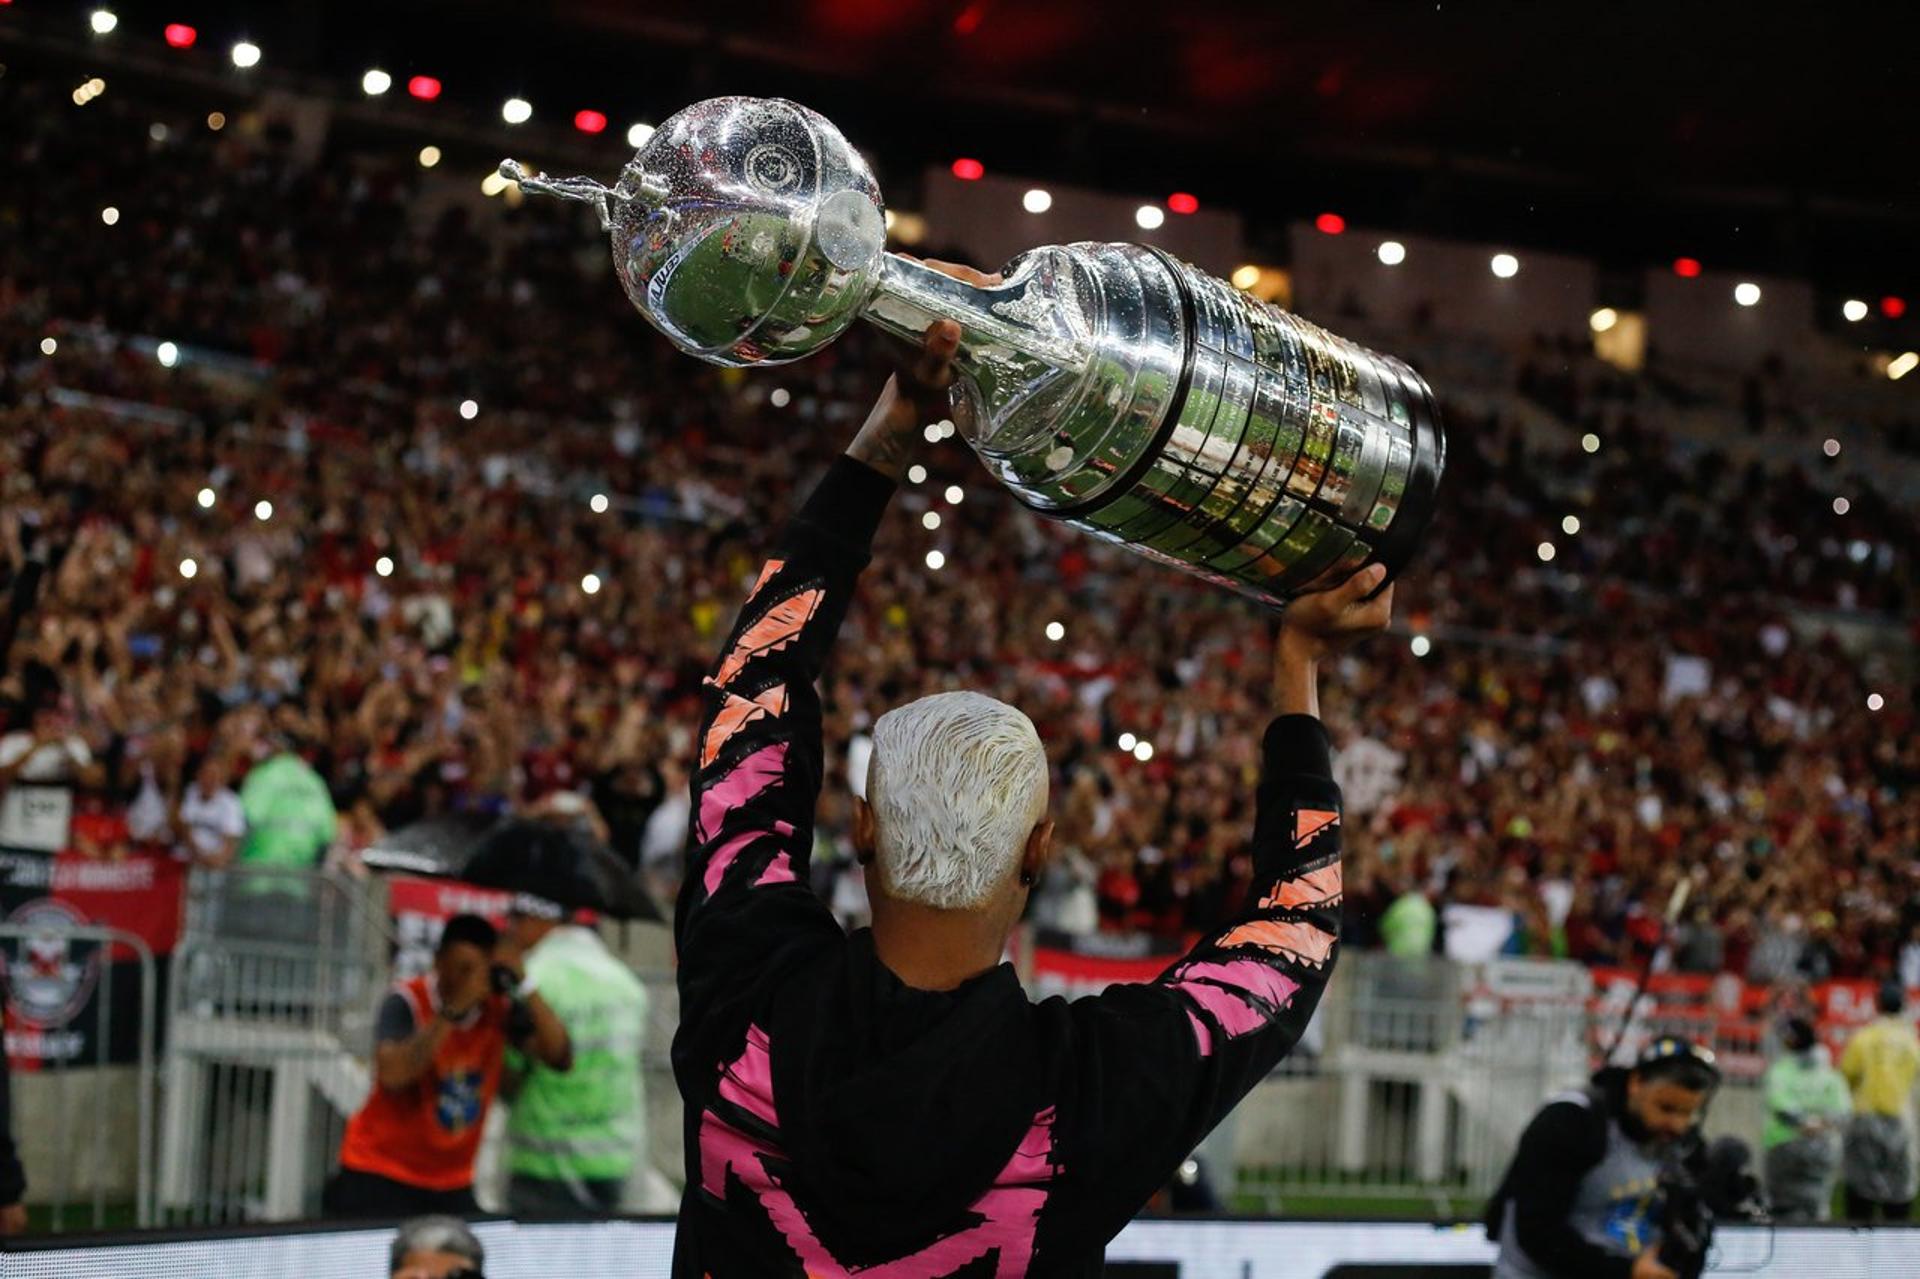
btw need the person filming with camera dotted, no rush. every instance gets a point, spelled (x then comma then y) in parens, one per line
(1605, 1184)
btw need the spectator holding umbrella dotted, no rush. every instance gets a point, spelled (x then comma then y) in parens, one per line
(574, 1135)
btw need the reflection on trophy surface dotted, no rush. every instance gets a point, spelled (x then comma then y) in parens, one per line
(1108, 385)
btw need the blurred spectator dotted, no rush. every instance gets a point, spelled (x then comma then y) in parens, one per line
(1807, 1106)
(13, 1177)
(1880, 1064)
(289, 815)
(210, 819)
(1410, 925)
(436, 1247)
(440, 1039)
(575, 1137)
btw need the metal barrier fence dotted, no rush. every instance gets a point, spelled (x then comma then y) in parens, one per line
(83, 1115)
(274, 986)
(1413, 1084)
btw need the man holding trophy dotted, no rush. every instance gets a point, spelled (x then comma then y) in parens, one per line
(890, 1101)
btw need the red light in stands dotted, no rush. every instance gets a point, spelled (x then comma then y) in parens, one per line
(180, 35)
(1892, 307)
(1686, 268)
(424, 87)
(1181, 202)
(589, 121)
(1330, 224)
(969, 170)
(969, 18)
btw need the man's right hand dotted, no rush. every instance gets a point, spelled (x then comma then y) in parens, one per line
(1647, 1266)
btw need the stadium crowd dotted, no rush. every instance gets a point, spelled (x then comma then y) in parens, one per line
(292, 541)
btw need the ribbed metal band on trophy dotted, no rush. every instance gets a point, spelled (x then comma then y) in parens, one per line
(1108, 385)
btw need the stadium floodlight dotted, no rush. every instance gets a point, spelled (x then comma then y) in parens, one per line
(1183, 202)
(1504, 265)
(1603, 319)
(429, 156)
(103, 21)
(637, 134)
(516, 111)
(1902, 364)
(1038, 200)
(1148, 217)
(1245, 277)
(375, 82)
(1854, 310)
(1746, 293)
(1392, 252)
(246, 54)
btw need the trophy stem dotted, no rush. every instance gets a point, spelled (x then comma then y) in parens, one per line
(908, 296)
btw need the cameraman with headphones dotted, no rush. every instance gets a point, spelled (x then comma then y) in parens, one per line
(1606, 1176)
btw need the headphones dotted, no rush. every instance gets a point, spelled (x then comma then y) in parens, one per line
(1673, 1048)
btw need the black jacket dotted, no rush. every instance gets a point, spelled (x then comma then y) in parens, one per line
(13, 1178)
(837, 1119)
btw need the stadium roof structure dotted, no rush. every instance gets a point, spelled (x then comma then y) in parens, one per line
(1762, 137)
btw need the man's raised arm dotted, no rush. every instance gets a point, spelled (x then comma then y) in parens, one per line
(757, 772)
(1162, 1063)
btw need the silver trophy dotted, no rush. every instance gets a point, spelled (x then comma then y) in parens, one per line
(1108, 385)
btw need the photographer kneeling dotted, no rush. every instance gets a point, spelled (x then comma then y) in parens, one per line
(1596, 1188)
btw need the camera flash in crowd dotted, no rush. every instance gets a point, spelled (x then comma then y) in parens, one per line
(1392, 252)
(590, 583)
(916, 474)
(188, 568)
(930, 521)
(469, 409)
(1841, 506)
(1505, 265)
(206, 498)
(109, 215)
(429, 156)
(1875, 701)
(1056, 632)
(48, 346)
(1148, 217)
(781, 397)
(932, 433)
(1421, 646)
(955, 494)
(1143, 751)
(1590, 442)
(516, 111)
(598, 503)
(103, 21)
(167, 353)
(1570, 525)
(1545, 551)
(384, 566)
(263, 509)
(1127, 741)
(246, 54)
(375, 82)
(936, 560)
(637, 134)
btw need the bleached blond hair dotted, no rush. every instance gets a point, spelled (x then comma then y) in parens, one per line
(957, 781)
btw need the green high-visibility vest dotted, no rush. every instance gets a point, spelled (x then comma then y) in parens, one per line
(588, 1122)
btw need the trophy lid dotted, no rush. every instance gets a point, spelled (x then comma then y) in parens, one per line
(747, 230)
